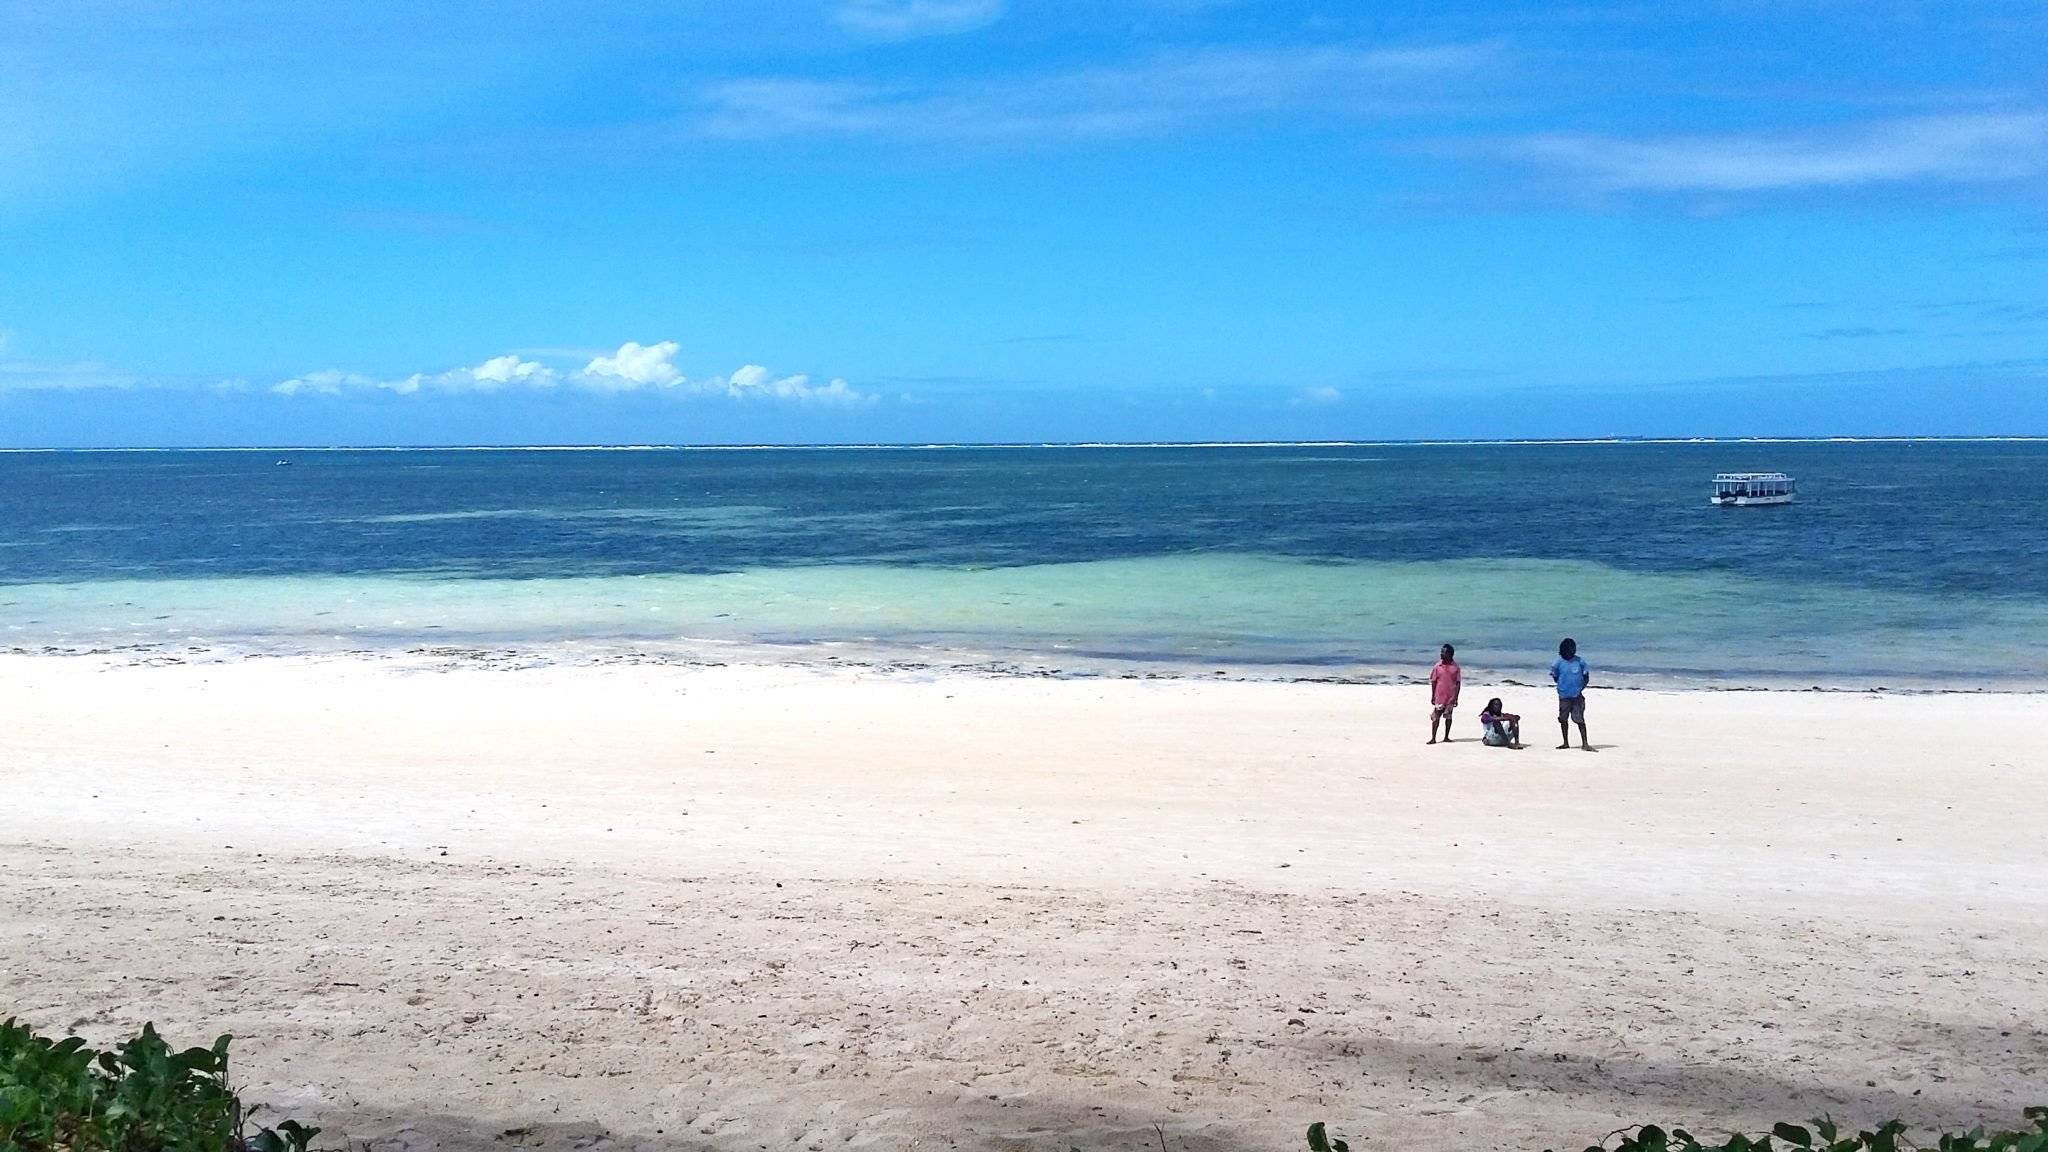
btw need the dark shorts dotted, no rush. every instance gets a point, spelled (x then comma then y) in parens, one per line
(1571, 708)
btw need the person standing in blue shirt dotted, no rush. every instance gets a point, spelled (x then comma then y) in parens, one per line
(1571, 676)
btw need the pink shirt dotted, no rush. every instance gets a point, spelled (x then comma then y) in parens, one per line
(1443, 684)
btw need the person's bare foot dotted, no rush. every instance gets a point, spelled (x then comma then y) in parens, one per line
(1588, 748)
(1564, 747)
(1432, 739)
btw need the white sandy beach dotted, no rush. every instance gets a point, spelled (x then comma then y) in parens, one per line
(741, 908)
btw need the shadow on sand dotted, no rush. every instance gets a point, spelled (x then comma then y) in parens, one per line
(1017, 1127)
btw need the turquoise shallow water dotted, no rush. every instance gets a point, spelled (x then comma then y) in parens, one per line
(1243, 614)
(1905, 565)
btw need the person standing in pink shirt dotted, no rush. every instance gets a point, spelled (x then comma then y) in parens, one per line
(1444, 682)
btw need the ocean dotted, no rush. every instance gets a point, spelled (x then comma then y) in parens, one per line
(1903, 565)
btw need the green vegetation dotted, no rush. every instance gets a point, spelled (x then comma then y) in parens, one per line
(1824, 1136)
(1321, 1141)
(61, 1096)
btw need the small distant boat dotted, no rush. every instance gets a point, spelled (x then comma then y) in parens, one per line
(1741, 489)
(284, 464)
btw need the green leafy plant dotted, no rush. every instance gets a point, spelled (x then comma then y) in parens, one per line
(61, 1096)
(1824, 1136)
(1319, 1140)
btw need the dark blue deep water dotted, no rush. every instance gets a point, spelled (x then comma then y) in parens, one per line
(1934, 517)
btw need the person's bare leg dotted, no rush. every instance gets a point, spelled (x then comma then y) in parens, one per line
(1564, 732)
(1583, 742)
(1434, 716)
(1447, 726)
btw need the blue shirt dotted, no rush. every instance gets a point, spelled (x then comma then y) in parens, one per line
(1571, 676)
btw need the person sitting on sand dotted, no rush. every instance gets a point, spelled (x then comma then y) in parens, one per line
(1444, 682)
(1571, 676)
(1498, 727)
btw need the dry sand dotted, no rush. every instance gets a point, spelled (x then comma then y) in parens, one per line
(766, 908)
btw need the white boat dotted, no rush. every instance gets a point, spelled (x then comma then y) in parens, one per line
(1741, 489)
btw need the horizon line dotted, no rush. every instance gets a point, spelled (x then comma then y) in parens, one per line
(924, 445)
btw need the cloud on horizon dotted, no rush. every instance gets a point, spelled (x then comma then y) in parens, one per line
(635, 367)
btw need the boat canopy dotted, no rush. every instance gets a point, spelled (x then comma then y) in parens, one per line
(1752, 484)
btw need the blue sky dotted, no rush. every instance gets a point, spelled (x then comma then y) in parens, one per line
(965, 220)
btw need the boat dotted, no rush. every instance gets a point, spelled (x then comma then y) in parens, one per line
(1741, 489)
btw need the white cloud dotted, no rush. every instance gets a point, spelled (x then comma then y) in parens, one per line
(328, 382)
(1168, 89)
(1318, 395)
(508, 368)
(1962, 149)
(911, 19)
(635, 366)
(494, 373)
(752, 380)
